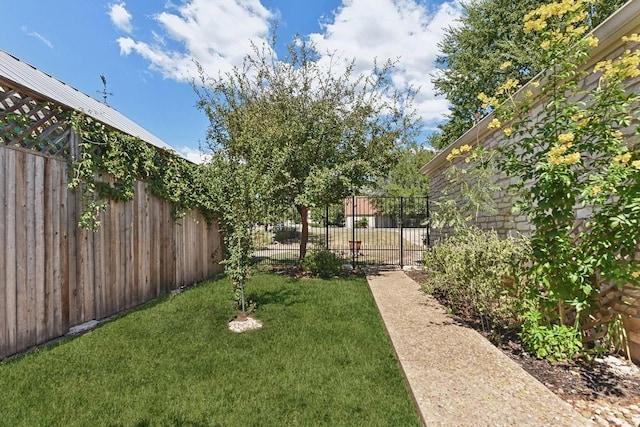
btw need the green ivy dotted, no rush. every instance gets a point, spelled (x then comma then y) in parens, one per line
(110, 162)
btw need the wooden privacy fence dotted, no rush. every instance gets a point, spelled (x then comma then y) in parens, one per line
(54, 275)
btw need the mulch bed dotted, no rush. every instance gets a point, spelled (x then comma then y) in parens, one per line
(579, 379)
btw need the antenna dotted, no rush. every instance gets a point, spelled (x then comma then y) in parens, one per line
(104, 89)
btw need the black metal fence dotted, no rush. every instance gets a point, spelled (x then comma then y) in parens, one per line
(362, 230)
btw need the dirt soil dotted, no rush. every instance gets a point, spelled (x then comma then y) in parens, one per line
(605, 390)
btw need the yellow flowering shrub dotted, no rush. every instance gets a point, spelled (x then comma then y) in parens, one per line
(459, 151)
(566, 138)
(494, 124)
(574, 154)
(622, 158)
(506, 65)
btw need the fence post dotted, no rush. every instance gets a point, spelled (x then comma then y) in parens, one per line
(326, 226)
(353, 231)
(401, 232)
(426, 199)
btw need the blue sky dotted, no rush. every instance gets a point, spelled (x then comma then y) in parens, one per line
(145, 48)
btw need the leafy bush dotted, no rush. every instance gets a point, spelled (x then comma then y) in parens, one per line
(286, 234)
(362, 223)
(554, 343)
(474, 272)
(323, 263)
(569, 147)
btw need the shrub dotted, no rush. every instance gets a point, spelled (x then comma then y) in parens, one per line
(322, 263)
(286, 234)
(362, 223)
(554, 342)
(571, 147)
(474, 272)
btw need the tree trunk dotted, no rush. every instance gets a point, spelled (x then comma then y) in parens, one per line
(304, 238)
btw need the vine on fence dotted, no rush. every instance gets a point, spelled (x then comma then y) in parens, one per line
(110, 162)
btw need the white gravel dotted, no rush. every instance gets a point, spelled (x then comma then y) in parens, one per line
(248, 324)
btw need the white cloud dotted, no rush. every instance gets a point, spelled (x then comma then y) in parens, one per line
(120, 17)
(38, 36)
(404, 30)
(194, 155)
(218, 34)
(215, 33)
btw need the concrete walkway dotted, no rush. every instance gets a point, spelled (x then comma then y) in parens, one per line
(456, 376)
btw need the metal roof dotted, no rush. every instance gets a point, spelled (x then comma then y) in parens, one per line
(29, 77)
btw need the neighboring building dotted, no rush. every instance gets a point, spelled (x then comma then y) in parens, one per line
(359, 211)
(385, 212)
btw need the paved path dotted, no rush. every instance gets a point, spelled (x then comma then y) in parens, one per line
(456, 376)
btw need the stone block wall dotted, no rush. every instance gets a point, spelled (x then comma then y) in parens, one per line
(624, 22)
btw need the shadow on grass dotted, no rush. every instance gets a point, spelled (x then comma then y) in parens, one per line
(175, 421)
(285, 297)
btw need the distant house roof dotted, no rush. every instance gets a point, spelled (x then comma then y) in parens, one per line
(48, 87)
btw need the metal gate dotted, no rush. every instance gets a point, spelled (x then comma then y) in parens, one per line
(364, 230)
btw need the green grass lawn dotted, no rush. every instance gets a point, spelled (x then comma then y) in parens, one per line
(321, 358)
(369, 237)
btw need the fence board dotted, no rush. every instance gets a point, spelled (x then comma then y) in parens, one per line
(156, 248)
(140, 248)
(86, 250)
(3, 259)
(60, 283)
(39, 206)
(21, 253)
(11, 273)
(121, 284)
(177, 237)
(55, 275)
(128, 301)
(72, 271)
(146, 246)
(112, 249)
(49, 231)
(164, 250)
(200, 251)
(189, 255)
(98, 264)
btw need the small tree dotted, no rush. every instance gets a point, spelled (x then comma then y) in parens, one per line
(405, 179)
(310, 135)
(231, 190)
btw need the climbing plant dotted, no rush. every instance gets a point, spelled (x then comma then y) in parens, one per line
(574, 152)
(109, 162)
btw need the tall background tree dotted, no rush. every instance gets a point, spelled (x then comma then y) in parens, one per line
(309, 129)
(489, 34)
(405, 179)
